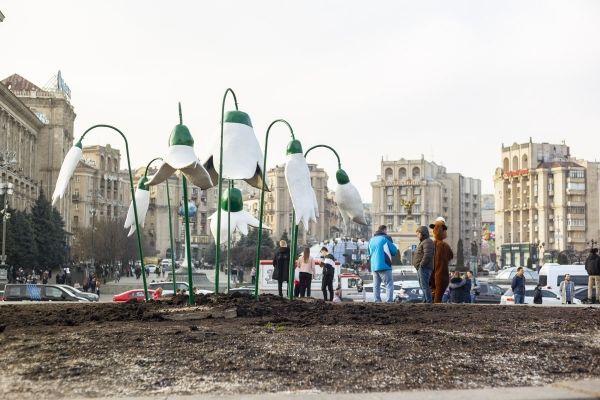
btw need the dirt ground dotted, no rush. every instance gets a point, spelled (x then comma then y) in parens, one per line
(96, 350)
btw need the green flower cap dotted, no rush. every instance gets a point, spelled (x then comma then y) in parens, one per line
(238, 117)
(78, 144)
(235, 197)
(294, 147)
(342, 177)
(180, 135)
(142, 184)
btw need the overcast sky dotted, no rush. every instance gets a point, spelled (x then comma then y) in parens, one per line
(451, 80)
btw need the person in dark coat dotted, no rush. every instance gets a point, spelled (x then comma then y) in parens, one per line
(537, 294)
(458, 288)
(281, 265)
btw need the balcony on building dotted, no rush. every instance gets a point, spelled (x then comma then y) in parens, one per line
(75, 197)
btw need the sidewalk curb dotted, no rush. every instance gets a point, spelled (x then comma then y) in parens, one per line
(566, 390)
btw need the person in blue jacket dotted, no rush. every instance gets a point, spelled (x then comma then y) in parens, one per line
(381, 251)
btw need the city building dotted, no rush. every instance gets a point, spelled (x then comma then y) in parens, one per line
(41, 145)
(424, 191)
(547, 202)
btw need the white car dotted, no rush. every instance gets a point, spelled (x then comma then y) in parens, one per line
(548, 297)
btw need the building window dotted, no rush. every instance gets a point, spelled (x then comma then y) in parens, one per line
(389, 222)
(402, 173)
(576, 222)
(403, 191)
(576, 173)
(389, 175)
(575, 186)
(416, 173)
(416, 190)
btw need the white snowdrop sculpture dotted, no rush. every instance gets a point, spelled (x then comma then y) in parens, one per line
(297, 176)
(240, 218)
(142, 199)
(181, 156)
(348, 200)
(242, 156)
(67, 169)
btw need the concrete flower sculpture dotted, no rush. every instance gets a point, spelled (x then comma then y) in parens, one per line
(297, 177)
(66, 171)
(348, 200)
(242, 156)
(240, 218)
(142, 198)
(181, 157)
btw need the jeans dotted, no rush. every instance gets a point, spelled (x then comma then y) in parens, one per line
(519, 298)
(388, 280)
(327, 283)
(305, 282)
(424, 276)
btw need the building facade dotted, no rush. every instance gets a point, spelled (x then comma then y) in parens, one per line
(42, 145)
(426, 191)
(547, 202)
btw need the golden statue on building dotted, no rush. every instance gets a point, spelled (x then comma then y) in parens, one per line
(408, 204)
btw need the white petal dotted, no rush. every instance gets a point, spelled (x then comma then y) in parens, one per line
(180, 156)
(350, 204)
(163, 173)
(142, 198)
(66, 172)
(297, 176)
(198, 176)
(239, 221)
(242, 155)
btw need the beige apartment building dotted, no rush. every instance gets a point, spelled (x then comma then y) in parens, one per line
(546, 202)
(433, 192)
(36, 130)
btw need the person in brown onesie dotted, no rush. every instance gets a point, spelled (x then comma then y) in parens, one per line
(443, 254)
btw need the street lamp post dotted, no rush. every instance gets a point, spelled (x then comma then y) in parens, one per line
(6, 189)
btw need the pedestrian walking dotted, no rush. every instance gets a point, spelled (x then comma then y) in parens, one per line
(473, 287)
(306, 267)
(328, 265)
(423, 261)
(567, 290)
(592, 266)
(518, 286)
(281, 265)
(381, 249)
(253, 274)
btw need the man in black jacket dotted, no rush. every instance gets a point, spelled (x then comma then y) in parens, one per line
(328, 265)
(592, 266)
(281, 264)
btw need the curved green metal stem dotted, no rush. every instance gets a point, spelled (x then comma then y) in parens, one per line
(328, 147)
(228, 262)
(135, 213)
(220, 191)
(170, 219)
(188, 246)
(262, 202)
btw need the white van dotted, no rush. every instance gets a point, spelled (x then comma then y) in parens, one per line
(552, 274)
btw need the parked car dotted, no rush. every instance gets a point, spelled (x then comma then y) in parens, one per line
(34, 292)
(1, 295)
(79, 293)
(369, 296)
(243, 290)
(167, 287)
(489, 293)
(552, 274)
(132, 296)
(505, 276)
(410, 294)
(151, 268)
(581, 294)
(548, 297)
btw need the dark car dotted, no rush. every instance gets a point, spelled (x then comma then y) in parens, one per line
(489, 293)
(409, 295)
(34, 292)
(581, 293)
